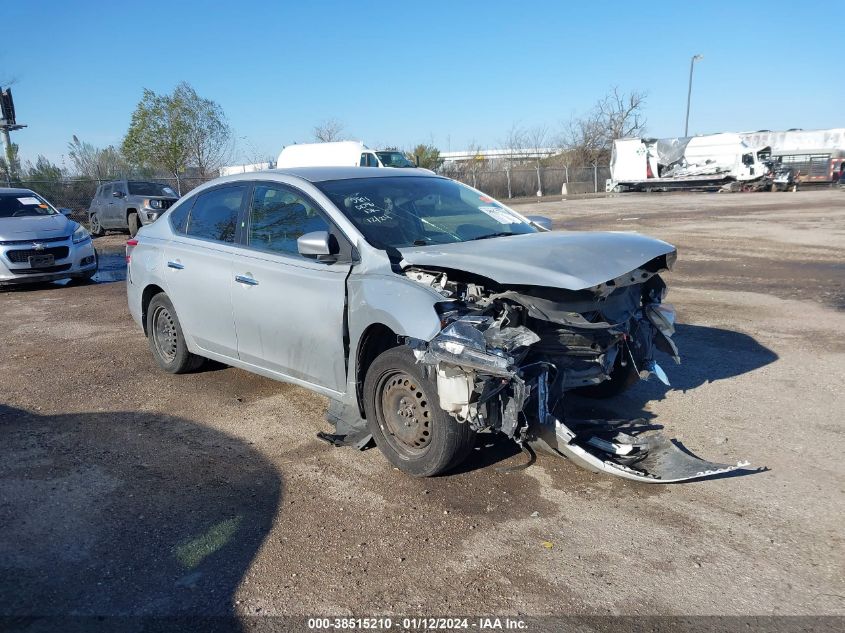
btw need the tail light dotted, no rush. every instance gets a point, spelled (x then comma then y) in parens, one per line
(130, 245)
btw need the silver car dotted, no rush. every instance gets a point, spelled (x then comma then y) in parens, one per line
(425, 310)
(39, 243)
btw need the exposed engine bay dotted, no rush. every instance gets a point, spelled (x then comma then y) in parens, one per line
(507, 355)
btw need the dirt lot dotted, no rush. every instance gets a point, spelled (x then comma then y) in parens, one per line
(124, 490)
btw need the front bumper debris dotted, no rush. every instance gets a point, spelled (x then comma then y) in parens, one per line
(632, 450)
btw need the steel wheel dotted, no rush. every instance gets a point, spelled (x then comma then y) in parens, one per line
(164, 334)
(404, 413)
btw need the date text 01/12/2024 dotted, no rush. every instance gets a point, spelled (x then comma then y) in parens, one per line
(417, 623)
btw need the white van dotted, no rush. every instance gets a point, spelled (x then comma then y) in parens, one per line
(339, 154)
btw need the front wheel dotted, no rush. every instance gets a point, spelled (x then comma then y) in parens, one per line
(134, 224)
(405, 418)
(167, 342)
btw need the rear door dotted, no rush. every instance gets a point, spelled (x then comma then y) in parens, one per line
(95, 201)
(198, 264)
(289, 309)
(103, 207)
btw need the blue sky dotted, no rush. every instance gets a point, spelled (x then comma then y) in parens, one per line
(398, 73)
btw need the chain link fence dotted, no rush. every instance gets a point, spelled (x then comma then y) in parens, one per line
(76, 193)
(520, 182)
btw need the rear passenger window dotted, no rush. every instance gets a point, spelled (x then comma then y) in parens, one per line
(179, 214)
(278, 216)
(214, 215)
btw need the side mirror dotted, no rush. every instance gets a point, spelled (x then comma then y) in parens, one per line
(316, 244)
(541, 221)
(65, 211)
(117, 194)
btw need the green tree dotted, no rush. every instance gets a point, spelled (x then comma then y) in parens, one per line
(175, 131)
(427, 156)
(10, 165)
(45, 178)
(158, 135)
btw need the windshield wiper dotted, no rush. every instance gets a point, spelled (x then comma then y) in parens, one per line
(484, 237)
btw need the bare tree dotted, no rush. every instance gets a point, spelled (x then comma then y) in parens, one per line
(476, 160)
(616, 115)
(249, 154)
(94, 162)
(329, 131)
(514, 144)
(538, 139)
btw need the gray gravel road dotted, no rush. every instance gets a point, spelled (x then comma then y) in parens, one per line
(124, 490)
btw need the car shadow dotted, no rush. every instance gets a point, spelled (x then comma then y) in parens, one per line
(126, 515)
(708, 355)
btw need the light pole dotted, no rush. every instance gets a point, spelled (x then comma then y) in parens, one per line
(692, 61)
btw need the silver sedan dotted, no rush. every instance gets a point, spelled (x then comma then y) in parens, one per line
(39, 243)
(425, 310)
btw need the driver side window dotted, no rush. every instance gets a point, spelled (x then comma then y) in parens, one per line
(278, 216)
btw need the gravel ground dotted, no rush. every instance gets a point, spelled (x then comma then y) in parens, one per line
(124, 490)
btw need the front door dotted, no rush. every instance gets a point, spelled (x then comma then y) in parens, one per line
(199, 269)
(289, 309)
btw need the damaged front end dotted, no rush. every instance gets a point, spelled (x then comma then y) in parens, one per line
(506, 355)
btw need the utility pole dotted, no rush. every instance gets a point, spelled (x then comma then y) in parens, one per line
(694, 59)
(7, 124)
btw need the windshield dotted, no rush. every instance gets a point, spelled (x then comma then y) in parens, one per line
(17, 205)
(394, 159)
(417, 211)
(150, 189)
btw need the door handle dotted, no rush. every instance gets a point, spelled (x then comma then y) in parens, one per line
(175, 265)
(243, 279)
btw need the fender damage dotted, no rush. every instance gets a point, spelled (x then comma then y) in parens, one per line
(510, 350)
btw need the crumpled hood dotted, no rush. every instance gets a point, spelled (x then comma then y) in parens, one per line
(568, 260)
(35, 227)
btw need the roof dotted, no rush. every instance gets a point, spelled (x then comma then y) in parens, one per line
(323, 174)
(14, 191)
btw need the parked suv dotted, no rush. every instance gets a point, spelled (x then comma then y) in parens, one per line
(128, 204)
(423, 309)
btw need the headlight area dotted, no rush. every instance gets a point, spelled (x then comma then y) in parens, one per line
(81, 235)
(153, 209)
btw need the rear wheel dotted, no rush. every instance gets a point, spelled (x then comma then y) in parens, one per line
(134, 224)
(405, 418)
(166, 339)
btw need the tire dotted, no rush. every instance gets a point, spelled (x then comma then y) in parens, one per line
(94, 225)
(405, 418)
(621, 377)
(166, 340)
(134, 224)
